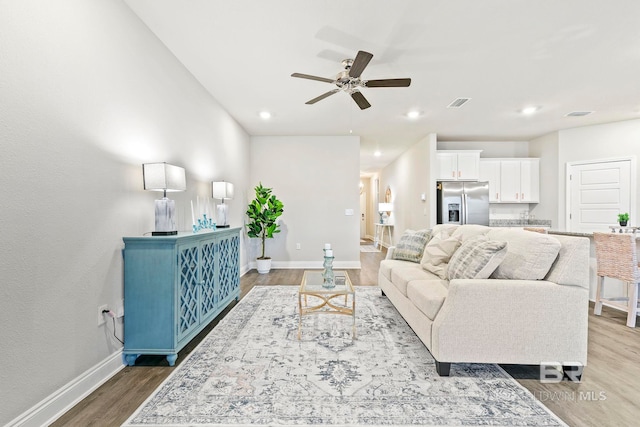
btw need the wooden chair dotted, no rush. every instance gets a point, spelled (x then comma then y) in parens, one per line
(617, 257)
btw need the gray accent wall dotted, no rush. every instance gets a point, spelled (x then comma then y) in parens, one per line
(88, 94)
(317, 178)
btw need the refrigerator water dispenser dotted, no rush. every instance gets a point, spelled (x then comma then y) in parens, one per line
(454, 212)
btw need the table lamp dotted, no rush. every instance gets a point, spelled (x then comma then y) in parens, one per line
(222, 190)
(384, 209)
(164, 177)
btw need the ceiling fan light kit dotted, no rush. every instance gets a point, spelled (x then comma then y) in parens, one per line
(349, 80)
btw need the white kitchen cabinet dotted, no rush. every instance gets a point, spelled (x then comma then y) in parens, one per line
(458, 165)
(512, 180)
(530, 181)
(490, 171)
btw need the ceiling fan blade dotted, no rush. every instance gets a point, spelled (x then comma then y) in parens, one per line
(360, 100)
(323, 96)
(388, 83)
(307, 76)
(360, 63)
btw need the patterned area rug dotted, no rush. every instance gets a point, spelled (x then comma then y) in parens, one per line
(368, 248)
(252, 370)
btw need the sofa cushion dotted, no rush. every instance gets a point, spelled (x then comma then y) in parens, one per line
(411, 245)
(388, 265)
(568, 268)
(529, 255)
(438, 252)
(400, 277)
(476, 258)
(427, 295)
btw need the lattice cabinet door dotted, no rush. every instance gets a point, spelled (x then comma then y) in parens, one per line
(228, 252)
(188, 288)
(174, 286)
(208, 296)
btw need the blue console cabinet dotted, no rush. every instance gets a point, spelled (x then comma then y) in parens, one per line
(174, 286)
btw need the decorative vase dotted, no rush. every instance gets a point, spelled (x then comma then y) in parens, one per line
(263, 265)
(327, 275)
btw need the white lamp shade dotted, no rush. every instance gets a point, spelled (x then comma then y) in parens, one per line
(163, 177)
(222, 190)
(385, 207)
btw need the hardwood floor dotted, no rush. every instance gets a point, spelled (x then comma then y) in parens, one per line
(607, 395)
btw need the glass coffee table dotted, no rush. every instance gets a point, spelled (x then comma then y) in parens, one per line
(326, 300)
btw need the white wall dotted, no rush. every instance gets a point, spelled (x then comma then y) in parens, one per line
(611, 140)
(408, 177)
(489, 148)
(317, 178)
(546, 148)
(87, 94)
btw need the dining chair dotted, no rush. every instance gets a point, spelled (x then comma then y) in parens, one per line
(616, 257)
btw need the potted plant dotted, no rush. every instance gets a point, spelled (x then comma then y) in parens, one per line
(263, 212)
(623, 218)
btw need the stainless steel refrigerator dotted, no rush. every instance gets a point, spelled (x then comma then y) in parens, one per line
(463, 202)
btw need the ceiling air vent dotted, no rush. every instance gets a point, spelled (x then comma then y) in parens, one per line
(458, 103)
(579, 113)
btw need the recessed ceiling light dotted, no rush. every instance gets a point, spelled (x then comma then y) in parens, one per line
(377, 153)
(265, 115)
(529, 110)
(413, 114)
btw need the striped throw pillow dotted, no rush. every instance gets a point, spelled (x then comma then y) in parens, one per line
(411, 245)
(477, 258)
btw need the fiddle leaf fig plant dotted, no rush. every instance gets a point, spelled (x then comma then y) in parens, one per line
(263, 211)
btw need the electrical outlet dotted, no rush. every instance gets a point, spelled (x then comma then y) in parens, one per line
(102, 316)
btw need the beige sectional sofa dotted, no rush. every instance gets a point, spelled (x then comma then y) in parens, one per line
(524, 300)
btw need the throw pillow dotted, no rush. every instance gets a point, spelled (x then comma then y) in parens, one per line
(529, 255)
(438, 252)
(411, 245)
(477, 258)
(468, 231)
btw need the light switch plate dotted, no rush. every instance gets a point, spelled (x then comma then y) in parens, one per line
(348, 212)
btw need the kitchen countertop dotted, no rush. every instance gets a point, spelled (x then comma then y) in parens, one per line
(519, 223)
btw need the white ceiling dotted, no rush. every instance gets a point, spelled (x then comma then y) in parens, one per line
(558, 55)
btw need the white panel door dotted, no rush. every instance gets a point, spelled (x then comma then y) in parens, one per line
(363, 213)
(598, 193)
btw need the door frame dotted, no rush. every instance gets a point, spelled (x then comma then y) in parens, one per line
(567, 180)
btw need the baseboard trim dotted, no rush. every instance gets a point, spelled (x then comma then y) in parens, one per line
(58, 403)
(245, 269)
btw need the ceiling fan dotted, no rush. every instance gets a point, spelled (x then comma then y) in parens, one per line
(349, 80)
